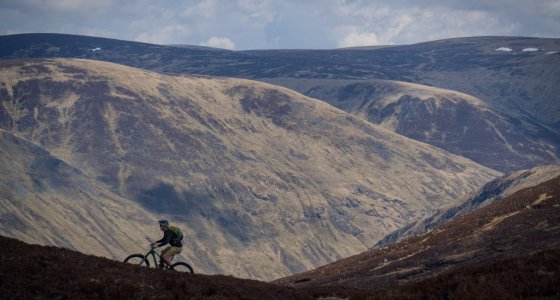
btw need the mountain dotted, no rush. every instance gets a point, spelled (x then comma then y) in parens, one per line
(454, 121)
(46, 201)
(264, 181)
(479, 246)
(492, 191)
(521, 116)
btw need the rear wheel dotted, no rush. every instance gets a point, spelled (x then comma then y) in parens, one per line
(137, 259)
(182, 267)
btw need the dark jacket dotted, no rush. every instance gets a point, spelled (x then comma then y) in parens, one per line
(170, 237)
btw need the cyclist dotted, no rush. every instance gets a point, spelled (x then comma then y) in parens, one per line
(172, 236)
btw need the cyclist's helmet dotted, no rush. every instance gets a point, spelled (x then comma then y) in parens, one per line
(163, 223)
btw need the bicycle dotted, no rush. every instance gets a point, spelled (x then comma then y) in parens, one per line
(139, 259)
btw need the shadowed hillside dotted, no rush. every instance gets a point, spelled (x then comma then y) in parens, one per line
(512, 229)
(244, 167)
(44, 200)
(454, 121)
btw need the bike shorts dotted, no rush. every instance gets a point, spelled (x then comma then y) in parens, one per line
(170, 251)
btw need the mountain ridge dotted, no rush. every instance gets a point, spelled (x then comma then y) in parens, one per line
(451, 120)
(517, 85)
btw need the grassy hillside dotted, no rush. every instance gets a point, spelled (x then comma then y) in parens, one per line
(39, 272)
(512, 230)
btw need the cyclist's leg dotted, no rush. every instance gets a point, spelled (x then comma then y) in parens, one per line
(163, 255)
(170, 253)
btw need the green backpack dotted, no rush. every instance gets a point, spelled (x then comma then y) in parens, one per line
(177, 232)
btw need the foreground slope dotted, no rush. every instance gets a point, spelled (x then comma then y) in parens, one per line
(39, 272)
(492, 191)
(454, 121)
(517, 226)
(31, 271)
(246, 166)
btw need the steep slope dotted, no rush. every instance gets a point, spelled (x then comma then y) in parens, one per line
(31, 272)
(247, 166)
(492, 191)
(44, 200)
(519, 87)
(37, 272)
(456, 122)
(512, 228)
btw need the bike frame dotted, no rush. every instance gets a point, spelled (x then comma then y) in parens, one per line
(153, 253)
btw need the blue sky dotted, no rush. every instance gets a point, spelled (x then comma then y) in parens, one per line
(287, 24)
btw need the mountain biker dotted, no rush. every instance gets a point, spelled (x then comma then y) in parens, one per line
(172, 236)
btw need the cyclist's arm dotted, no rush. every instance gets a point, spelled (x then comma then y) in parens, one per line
(165, 240)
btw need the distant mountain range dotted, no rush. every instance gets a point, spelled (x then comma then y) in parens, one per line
(519, 129)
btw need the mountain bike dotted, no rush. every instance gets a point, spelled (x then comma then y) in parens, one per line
(143, 260)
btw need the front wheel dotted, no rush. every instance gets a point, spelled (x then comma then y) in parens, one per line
(182, 267)
(137, 259)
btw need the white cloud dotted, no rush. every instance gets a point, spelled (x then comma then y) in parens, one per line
(258, 24)
(81, 4)
(219, 42)
(166, 35)
(355, 39)
(205, 9)
(67, 5)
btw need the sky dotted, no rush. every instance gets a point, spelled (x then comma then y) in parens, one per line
(282, 24)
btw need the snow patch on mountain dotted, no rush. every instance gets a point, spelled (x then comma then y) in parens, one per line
(504, 49)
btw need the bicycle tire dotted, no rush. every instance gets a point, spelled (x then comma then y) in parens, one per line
(137, 259)
(182, 267)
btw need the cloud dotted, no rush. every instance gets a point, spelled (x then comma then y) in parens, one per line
(219, 42)
(165, 35)
(74, 5)
(203, 9)
(356, 38)
(258, 24)
(61, 5)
